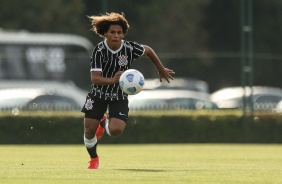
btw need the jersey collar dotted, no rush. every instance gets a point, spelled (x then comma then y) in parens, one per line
(113, 51)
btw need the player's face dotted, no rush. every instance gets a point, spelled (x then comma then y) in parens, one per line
(114, 36)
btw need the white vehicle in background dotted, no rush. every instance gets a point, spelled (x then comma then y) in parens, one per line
(45, 56)
(178, 84)
(279, 107)
(170, 99)
(40, 96)
(181, 93)
(263, 97)
(43, 71)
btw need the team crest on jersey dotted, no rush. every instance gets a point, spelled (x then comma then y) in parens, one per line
(123, 60)
(89, 104)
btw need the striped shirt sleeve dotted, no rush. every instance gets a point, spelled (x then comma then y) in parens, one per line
(96, 59)
(138, 50)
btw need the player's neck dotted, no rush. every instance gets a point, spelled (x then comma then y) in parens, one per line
(113, 47)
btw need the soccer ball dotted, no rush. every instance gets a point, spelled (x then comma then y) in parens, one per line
(131, 81)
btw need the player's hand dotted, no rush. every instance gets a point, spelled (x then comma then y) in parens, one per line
(166, 73)
(117, 76)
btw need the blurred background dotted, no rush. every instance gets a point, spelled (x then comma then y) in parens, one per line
(212, 45)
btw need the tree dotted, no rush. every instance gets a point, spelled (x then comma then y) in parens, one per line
(43, 16)
(223, 26)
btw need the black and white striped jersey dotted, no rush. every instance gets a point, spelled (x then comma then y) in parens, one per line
(109, 62)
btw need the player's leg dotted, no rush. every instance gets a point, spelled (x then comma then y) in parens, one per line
(101, 128)
(115, 127)
(90, 141)
(94, 112)
(118, 115)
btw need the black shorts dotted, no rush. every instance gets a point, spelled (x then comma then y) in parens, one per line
(96, 108)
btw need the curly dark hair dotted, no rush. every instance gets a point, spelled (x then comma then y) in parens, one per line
(101, 24)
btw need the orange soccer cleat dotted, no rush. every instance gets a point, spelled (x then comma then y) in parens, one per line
(93, 163)
(100, 130)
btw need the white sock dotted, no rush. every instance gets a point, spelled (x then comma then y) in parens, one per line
(107, 127)
(89, 143)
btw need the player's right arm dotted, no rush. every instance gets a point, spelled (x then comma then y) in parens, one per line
(96, 68)
(98, 79)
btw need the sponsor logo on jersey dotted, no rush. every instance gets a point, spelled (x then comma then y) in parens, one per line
(111, 95)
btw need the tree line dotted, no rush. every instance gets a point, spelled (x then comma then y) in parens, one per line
(197, 38)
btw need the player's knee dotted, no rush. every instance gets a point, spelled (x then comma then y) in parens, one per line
(115, 127)
(116, 131)
(89, 132)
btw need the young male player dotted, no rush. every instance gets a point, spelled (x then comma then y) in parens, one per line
(109, 59)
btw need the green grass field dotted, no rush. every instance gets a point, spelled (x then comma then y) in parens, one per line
(142, 163)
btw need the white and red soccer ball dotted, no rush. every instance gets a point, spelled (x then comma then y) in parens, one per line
(131, 81)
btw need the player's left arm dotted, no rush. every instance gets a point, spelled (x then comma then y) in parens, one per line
(163, 72)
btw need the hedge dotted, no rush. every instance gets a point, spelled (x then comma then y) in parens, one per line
(145, 127)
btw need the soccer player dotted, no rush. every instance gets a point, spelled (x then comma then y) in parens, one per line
(109, 59)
